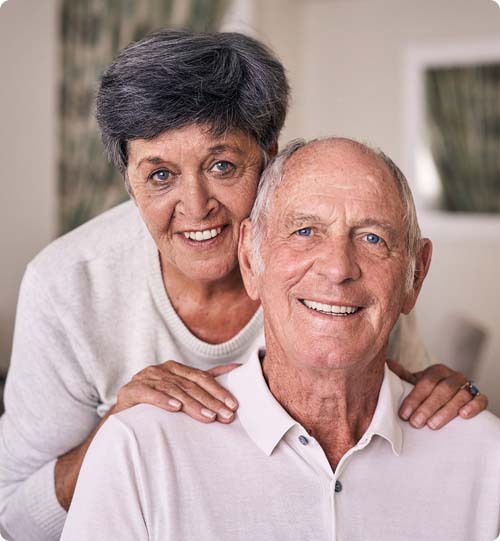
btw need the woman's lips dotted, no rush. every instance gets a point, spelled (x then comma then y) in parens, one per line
(204, 237)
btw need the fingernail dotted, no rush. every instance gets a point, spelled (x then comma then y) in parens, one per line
(419, 420)
(434, 422)
(466, 410)
(174, 403)
(406, 413)
(230, 403)
(208, 413)
(226, 414)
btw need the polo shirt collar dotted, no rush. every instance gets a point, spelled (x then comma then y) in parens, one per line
(266, 421)
(261, 415)
(385, 421)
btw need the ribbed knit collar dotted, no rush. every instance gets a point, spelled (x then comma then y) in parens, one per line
(180, 333)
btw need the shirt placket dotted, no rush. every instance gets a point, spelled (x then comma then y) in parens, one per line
(310, 450)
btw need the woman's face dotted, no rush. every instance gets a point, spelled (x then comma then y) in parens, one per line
(193, 190)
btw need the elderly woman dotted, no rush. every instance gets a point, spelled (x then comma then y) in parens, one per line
(190, 120)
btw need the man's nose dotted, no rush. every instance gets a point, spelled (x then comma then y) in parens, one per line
(337, 260)
(196, 201)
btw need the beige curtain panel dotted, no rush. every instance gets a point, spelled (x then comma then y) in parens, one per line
(92, 32)
(463, 120)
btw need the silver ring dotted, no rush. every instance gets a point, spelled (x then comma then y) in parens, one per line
(471, 387)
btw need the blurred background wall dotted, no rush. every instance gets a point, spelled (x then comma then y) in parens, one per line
(348, 63)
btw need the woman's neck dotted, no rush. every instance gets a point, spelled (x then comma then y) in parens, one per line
(213, 311)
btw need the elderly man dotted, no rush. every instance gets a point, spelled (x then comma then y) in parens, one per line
(333, 252)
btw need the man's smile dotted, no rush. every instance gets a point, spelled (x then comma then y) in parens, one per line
(330, 309)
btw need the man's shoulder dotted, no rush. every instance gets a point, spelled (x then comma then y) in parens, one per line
(101, 237)
(146, 421)
(477, 438)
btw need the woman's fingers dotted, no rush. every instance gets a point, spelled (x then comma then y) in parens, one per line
(424, 387)
(175, 387)
(478, 404)
(204, 380)
(401, 371)
(450, 410)
(144, 392)
(222, 369)
(438, 397)
(196, 402)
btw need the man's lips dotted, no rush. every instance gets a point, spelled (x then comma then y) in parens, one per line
(334, 309)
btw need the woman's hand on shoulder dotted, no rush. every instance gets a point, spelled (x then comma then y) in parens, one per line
(438, 397)
(175, 387)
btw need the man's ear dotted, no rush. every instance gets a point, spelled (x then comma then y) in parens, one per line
(245, 256)
(423, 263)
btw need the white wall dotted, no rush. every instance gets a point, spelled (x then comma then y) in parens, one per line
(346, 65)
(27, 145)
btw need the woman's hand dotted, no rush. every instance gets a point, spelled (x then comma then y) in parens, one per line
(174, 387)
(438, 396)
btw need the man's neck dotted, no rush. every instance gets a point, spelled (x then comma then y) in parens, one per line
(335, 406)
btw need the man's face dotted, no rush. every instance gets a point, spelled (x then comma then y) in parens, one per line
(335, 258)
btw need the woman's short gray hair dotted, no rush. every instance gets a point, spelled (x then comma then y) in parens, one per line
(273, 176)
(227, 81)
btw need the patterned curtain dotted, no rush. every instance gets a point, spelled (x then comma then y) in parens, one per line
(463, 120)
(92, 32)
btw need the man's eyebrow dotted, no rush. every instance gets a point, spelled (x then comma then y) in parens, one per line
(299, 218)
(373, 222)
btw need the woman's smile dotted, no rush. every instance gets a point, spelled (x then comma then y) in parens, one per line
(194, 189)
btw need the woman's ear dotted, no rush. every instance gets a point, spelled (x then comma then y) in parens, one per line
(273, 150)
(245, 256)
(422, 265)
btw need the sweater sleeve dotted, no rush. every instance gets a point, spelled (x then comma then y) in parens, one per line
(411, 353)
(109, 497)
(50, 408)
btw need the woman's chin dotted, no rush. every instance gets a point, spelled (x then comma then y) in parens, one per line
(208, 271)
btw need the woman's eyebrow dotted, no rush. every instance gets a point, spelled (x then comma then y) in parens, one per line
(218, 149)
(154, 160)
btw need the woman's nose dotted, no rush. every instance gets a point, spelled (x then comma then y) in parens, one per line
(196, 201)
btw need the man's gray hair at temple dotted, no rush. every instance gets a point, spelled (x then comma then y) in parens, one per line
(273, 176)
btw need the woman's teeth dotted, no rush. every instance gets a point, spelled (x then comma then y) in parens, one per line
(331, 308)
(207, 234)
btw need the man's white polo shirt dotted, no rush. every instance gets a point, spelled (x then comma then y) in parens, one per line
(153, 475)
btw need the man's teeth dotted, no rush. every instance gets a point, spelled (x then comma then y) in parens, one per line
(203, 235)
(331, 308)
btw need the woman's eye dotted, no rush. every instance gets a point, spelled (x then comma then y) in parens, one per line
(372, 238)
(161, 175)
(222, 166)
(304, 232)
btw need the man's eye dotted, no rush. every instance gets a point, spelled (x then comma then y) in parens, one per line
(161, 175)
(372, 238)
(304, 232)
(222, 166)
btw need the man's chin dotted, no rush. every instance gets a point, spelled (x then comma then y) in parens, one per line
(338, 357)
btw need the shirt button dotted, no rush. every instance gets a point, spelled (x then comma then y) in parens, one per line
(303, 440)
(338, 486)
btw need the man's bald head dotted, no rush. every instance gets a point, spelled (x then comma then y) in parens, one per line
(345, 151)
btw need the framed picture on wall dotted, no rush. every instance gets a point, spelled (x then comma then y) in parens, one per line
(452, 126)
